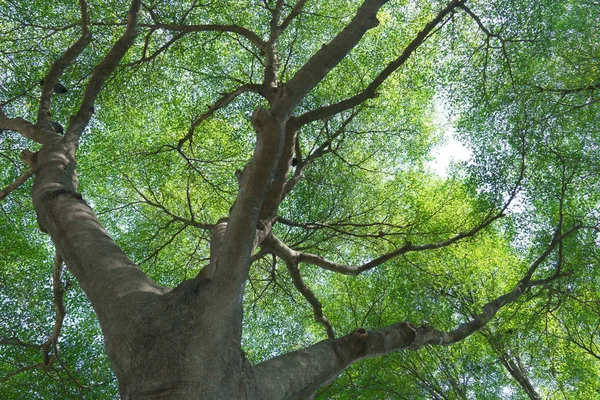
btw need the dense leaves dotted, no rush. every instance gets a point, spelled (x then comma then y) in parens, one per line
(518, 83)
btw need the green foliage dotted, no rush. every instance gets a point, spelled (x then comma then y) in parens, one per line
(524, 94)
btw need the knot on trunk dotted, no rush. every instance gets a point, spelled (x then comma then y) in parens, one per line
(30, 158)
(424, 334)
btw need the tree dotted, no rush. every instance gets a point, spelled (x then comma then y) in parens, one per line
(329, 112)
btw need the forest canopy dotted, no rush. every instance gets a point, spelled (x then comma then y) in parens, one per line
(264, 189)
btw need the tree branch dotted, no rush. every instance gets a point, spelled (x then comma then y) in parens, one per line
(58, 293)
(319, 65)
(276, 246)
(301, 373)
(428, 335)
(223, 102)
(159, 51)
(18, 182)
(21, 126)
(407, 248)
(324, 148)
(513, 365)
(271, 59)
(370, 90)
(59, 66)
(106, 67)
(293, 14)
(244, 230)
(247, 33)
(101, 267)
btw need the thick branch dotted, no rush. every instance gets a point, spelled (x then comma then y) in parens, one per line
(20, 125)
(216, 244)
(319, 65)
(370, 91)
(110, 62)
(244, 231)
(301, 373)
(105, 273)
(59, 66)
(276, 192)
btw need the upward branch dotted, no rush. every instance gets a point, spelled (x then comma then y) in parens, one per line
(293, 14)
(59, 66)
(319, 65)
(110, 62)
(103, 270)
(370, 90)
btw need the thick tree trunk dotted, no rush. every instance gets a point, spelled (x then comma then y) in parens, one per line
(185, 343)
(177, 346)
(163, 344)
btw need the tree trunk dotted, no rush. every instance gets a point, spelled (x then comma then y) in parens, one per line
(177, 346)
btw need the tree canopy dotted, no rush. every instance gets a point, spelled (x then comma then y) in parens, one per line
(264, 201)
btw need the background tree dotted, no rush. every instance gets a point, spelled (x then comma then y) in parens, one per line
(265, 165)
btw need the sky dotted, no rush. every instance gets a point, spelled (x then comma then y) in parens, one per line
(450, 149)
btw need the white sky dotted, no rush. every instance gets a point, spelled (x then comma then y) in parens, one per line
(450, 150)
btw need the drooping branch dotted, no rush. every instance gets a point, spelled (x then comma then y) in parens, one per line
(276, 247)
(58, 293)
(49, 349)
(101, 73)
(371, 90)
(310, 296)
(247, 33)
